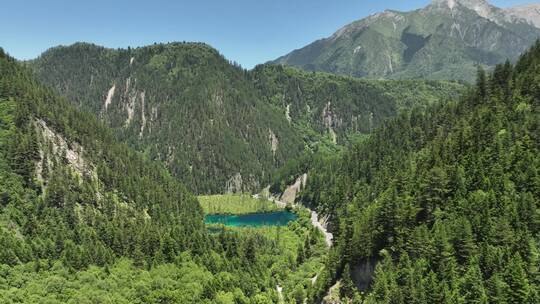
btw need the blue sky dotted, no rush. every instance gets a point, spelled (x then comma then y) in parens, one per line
(246, 31)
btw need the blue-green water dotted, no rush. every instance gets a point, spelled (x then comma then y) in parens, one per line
(280, 218)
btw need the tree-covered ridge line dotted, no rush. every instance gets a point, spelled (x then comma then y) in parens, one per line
(441, 205)
(220, 128)
(180, 103)
(86, 219)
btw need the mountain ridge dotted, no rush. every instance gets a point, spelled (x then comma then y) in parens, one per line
(217, 127)
(529, 12)
(444, 40)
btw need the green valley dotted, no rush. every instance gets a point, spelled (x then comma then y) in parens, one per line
(84, 218)
(440, 206)
(235, 204)
(394, 162)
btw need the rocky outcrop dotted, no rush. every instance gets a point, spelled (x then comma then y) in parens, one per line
(143, 115)
(332, 297)
(72, 153)
(234, 184)
(291, 192)
(330, 120)
(128, 101)
(274, 141)
(288, 113)
(110, 95)
(322, 225)
(55, 150)
(362, 273)
(241, 184)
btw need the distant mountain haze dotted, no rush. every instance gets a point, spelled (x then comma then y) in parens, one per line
(448, 39)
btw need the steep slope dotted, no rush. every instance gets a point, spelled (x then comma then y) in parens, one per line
(445, 202)
(180, 103)
(343, 107)
(70, 191)
(217, 127)
(445, 40)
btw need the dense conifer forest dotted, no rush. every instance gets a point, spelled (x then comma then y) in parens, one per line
(431, 189)
(85, 219)
(445, 202)
(216, 126)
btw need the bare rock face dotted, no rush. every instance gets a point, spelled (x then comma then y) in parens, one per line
(242, 184)
(481, 7)
(55, 149)
(143, 115)
(330, 120)
(332, 297)
(529, 12)
(129, 99)
(290, 194)
(363, 272)
(72, 152)
(274, 141)
(234, 184)
(110, 95)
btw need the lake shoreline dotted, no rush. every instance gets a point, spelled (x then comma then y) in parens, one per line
(316, 221)
(277, 218)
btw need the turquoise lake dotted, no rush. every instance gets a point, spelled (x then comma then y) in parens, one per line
(280, 218)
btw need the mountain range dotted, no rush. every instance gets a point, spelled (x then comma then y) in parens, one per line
(448, 39)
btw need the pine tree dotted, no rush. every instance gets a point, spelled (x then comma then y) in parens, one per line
(472, 286)
(347, 287)
(516, 278)
(300, 254)
(481, 84)
(464, 242)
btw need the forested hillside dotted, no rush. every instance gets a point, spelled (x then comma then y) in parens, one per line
(216, 126)
(446, 202)
(343, 107)
(84, 219)
(180, 103)
(65, 178)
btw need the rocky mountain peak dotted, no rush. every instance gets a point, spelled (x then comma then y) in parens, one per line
(528, 12)
(467, 3)
(444, 40)
(481, 7)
